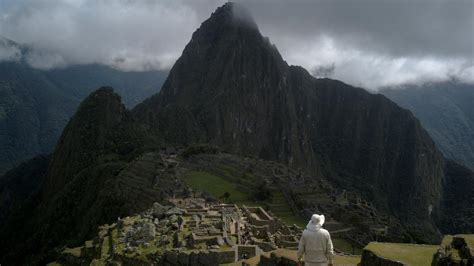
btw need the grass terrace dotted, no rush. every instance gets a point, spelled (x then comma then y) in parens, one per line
(411, 254)
(216, 186)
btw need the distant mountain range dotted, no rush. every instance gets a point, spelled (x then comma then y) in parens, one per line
(232, 89)
(35, 105)
(446, 110)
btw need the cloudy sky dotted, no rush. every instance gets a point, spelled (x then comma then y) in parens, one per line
(367, 43)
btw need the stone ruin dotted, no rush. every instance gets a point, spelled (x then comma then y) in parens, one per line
(455, 250)
(189, 232)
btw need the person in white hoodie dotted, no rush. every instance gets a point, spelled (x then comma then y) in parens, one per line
(315, 244)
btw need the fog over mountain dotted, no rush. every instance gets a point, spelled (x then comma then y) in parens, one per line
(365, 43)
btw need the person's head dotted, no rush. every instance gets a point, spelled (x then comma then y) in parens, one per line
(315, 219)
(316, 222)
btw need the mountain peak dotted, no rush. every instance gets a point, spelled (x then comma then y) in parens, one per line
(233, 13)
(223, 54)
(86, 135)
(226, 21)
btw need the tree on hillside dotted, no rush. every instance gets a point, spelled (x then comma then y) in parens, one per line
(262, 192)
(226, 196)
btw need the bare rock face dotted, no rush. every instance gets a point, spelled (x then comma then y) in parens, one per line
(159, 210)
(174, 211)
(232, 85)
(148, 231)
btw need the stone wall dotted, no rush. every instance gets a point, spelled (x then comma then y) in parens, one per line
(289, 244)
(265, 245)
(259, 217)
(273, 260)
(210, 257)
(246, 251)
(130, 261)
(227, 256)
(457, 252)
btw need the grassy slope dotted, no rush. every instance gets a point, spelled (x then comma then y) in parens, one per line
(411, 254)
(216, 186)
(469, 239)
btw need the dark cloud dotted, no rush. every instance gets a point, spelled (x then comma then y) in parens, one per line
(399, 28)
(133, 35)
(374, 43)
(369, 43)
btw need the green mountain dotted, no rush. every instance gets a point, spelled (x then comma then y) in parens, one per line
(78, 191)
(35, 105)
(232, 89)
(446, 111)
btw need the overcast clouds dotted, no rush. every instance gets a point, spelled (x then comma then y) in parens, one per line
(368, 43)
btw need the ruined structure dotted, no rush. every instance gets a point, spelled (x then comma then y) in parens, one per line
(192, 232)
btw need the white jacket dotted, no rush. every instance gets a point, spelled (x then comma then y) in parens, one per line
(316, 245)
